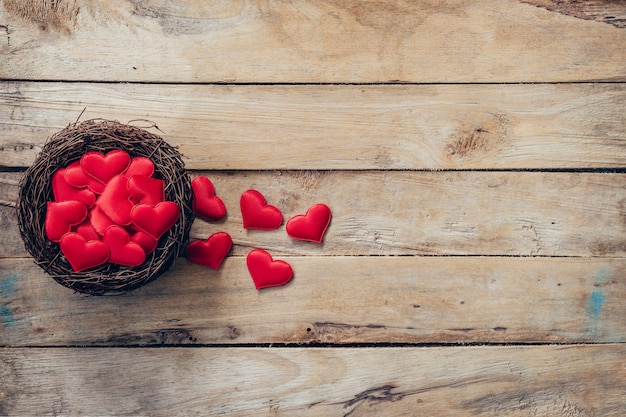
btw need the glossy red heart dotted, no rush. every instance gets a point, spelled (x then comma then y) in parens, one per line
(105, 167)
(99, 220)
(63, 191)
(140, 165)
(155, 220)
(206, 204)
(123, 251)
(146, 190)
(310, 226)
(61, 216)
(210, 252)
(257, 214)
(83, 254)
(86, 230)
(265, 271)
(115, 200)
(76, 177)
(147, 242)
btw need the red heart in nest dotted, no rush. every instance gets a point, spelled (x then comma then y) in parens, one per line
(146, 190)
(206, 204)
(257, 214)
(76, 177)
(123, 250)
(265, 271)
(104, 167)
(115, 200)
(147, 242)
(83, 254)
(155, 220)
(210, 252)
(64, 191)
(140, 165)
(61, 216)
(310, 226)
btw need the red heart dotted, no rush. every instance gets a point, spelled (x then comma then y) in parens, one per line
(99, 220)
(265, 271)
(123, 251)
(155, 220)
(104, 167)
(210, 252)
(63, 191)
(206, 204)
(146, 190)
(257, 214)
(147, 242)
(310, 226)
(76, 177)
(61, 216)
(115, 200)
(86, 230)
(83, 254)
(140, 165)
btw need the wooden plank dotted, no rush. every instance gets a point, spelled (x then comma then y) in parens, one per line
(459, 381)
(339, 127)
(334, 300)
(302, 41)
(414, 213)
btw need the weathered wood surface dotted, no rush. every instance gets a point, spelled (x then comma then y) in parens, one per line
(339, 127)
(461, 381)
(410, 213)
(303, 41)
(331, 300)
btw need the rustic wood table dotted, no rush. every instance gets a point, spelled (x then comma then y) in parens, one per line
(474, 158)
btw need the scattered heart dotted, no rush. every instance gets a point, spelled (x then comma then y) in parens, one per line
(211, 251)
(310, 226)
(267, 272)
(206, 204)
(257, 214)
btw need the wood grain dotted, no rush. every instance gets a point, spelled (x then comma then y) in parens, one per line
(422, 213)
(461, 381)
(339, 127)
(331, 300)
(302, 41)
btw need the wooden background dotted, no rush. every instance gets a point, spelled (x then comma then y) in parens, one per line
(474, 157)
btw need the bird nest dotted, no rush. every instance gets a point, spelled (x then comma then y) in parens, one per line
(66, 147)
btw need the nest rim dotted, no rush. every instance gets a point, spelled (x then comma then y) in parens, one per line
(67, 146)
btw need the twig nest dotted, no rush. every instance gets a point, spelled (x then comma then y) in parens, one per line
(36, 196)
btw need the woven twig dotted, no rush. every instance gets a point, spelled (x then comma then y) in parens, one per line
(67, 146)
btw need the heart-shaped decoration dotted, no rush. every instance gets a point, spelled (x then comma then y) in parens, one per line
(206, 204)
(147, 242)
(123, 251)
(99, 220)
(61, 216)
(257, 214)
(115, 200)
(146, 190)
(141, 166)
(310, 226)
(210, 252)
(83, 254)
(104, 167)
(76, 177)
(86, 230)
(267, 272)
(63, 191)
(156, 220)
